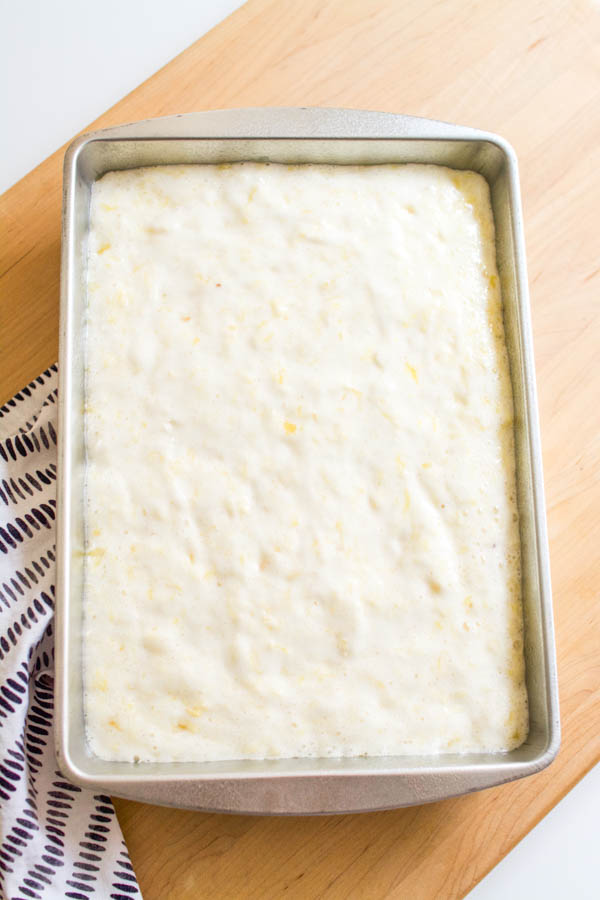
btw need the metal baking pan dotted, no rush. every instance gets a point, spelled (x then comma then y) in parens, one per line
(296, 786)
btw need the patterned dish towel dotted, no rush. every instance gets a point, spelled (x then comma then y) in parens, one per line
(56, 840)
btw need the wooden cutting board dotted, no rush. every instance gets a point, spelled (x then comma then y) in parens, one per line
(530, 70)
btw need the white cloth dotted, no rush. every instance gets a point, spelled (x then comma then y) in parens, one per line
(56, 840)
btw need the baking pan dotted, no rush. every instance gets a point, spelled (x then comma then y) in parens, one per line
(293, 786)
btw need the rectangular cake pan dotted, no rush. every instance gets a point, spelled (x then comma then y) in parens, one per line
(299, 786)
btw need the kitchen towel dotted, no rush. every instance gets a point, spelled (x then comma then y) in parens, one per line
(56, 840)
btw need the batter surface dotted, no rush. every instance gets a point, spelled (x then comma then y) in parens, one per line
(302, 534)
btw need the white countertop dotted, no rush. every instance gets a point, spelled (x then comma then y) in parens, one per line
(42, 47)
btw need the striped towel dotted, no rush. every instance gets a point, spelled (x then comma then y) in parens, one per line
(56, 840)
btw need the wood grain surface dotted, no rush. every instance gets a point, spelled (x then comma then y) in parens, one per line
(530, 70)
